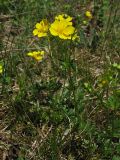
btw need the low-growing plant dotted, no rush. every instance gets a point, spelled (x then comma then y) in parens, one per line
(59, 77)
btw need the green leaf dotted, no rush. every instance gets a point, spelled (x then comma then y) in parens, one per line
(116, 158)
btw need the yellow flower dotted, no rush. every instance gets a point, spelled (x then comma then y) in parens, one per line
(1, 69)
(41, 28)
(62, 27)
(88, 14)
(37, 55)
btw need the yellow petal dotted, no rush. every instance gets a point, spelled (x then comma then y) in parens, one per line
(59, 17)
(69, 30)
(38, 25)
(63, 17)
(53, 31)
(42, 52)
(34, 53)
(30, 54)
(69, 19)
(88, 14)
(38, 58)
(35, 32)
(42, 34)
(62, 36)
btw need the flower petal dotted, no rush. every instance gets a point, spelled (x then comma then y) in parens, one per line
(35, 32)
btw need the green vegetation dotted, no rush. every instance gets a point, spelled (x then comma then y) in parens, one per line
(64, 105)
